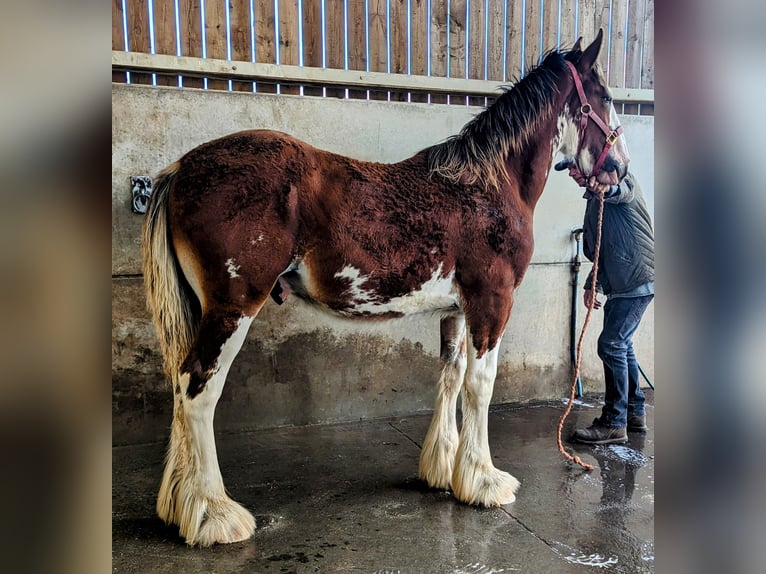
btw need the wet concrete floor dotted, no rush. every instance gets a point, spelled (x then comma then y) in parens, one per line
(346, 498)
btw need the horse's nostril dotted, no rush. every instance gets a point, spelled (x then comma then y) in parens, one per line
(610, 164)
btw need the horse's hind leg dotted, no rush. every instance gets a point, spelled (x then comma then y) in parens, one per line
(192, 494)
(475, 479)
(440, 445)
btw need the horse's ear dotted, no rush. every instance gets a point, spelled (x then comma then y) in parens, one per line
(591, 52)
(576, 47)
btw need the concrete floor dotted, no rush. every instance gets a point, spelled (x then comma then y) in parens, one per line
(346, 498)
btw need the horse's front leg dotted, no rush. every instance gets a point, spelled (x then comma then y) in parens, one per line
(475, 479)
(440, 445)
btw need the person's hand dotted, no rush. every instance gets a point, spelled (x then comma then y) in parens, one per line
(588, 296)
(590, 183)
(596, 187)
(577, 175)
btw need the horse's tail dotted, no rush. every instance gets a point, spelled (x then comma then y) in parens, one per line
(170, 299)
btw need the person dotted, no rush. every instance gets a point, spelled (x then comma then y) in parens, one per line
(626, 277)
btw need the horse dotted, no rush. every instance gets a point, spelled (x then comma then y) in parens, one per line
(260, 214)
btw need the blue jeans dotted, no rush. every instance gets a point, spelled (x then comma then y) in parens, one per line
(623, 394)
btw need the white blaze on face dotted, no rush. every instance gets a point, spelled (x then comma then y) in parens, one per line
(567, 136)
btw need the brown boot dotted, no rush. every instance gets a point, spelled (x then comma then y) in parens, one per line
(637, 423)
(599, 434)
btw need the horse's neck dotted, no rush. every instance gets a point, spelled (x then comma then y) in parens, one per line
(531, 167)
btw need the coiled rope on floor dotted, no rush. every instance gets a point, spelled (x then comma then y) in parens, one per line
(574, 458)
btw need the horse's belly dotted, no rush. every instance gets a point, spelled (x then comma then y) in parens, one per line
(353, 294)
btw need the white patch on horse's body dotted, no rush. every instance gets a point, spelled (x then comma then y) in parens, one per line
(232, 268)
(437, 294)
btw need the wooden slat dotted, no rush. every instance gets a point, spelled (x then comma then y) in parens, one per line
(601, 21)
(264, 39)
(399, 36)
(378, 54)
(550, 18)
(419, 27)
(635, 33)
(378, 27)
(419, 34)
(357, 57)
(165, 35)
(457, 39)
(191, 36)
(312, 40)
(438, 44)
(587, 22)
(399, 18)
(288, 38)
(568, 32)
(118, 36)
(532, 35)
(617, 53)
(647, 66)
(476, 40)
(496, 32)
(215, 36)
(439, 38)
(241, 39)
(334, 40)
(138, 34)
(513, 55)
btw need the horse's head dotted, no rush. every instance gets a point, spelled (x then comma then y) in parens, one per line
(591, 136)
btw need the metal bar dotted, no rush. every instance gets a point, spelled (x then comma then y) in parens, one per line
(150, 8)
(252, 39)
(203, 36)
(227, 11)
(505, 40)
(177, 14)
(523, 36)
(276, 38)
(486, 40)
(448, 34)
(345, 40)
(300, 38)
(125, 34)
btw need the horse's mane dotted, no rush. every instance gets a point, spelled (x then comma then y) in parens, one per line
(478, 152)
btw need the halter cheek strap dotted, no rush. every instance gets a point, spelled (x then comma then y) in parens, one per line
(586, 112)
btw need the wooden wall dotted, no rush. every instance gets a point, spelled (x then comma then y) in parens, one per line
(478, 39)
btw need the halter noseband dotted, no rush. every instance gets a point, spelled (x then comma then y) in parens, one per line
(586, 111)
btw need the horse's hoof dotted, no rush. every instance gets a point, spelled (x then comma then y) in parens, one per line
(436, 461)
(484, 487)
(225, 522)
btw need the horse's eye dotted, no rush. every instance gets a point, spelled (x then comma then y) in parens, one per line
(607, 99)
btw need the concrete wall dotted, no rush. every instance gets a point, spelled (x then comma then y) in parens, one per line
(299, 366)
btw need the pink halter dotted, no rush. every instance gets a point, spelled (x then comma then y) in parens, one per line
(586, 111)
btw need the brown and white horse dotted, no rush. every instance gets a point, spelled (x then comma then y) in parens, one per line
(447, 231)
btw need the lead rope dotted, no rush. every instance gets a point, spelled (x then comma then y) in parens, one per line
(574, 458)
